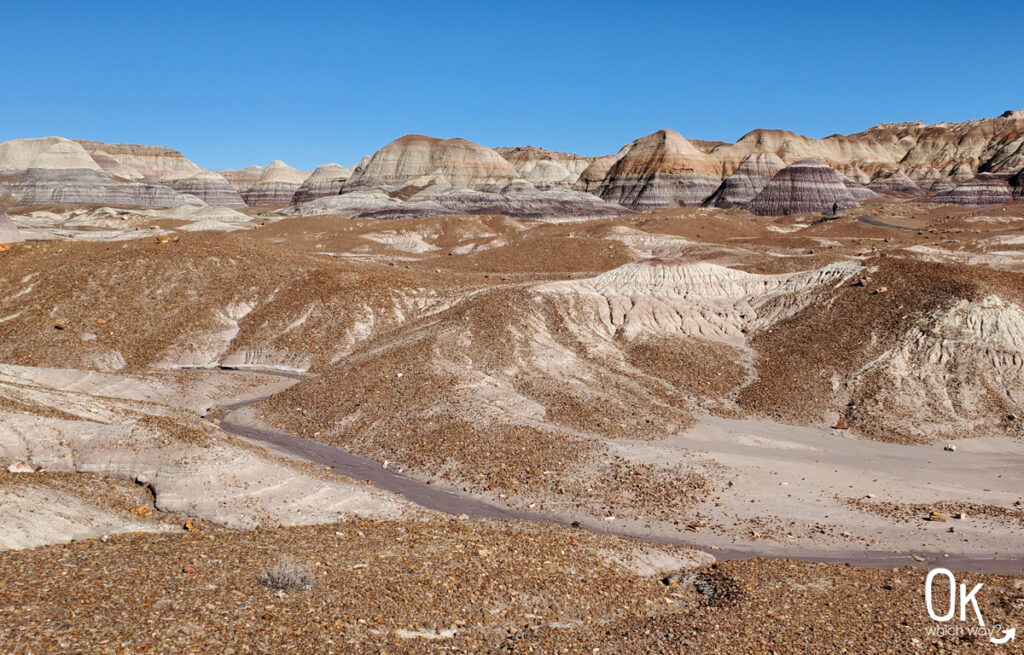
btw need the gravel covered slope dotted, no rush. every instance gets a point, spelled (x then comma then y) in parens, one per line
(455, 586)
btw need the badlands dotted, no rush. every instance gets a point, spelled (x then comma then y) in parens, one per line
(691, 397)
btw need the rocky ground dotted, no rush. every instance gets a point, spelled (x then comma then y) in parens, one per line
(457, 586)
(847, 389)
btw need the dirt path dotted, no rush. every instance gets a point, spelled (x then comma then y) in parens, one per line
(871, 220)
(238, 419)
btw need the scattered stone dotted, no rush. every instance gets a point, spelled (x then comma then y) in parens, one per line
(937, 517)
(20, 466)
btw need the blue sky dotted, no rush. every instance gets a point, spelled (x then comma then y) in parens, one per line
(231, 84)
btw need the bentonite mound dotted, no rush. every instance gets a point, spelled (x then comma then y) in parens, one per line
(422, 176)
(54, 170)
(8, 230)
(210, 187)
(170, 167)
(43, 186)
(544, 168)
(806, 186)
(545, 174)
(420, 161)
(746, 181)
(661, 170)
(859, 192)
(593, 175)
(326, 180)
(984, 189)
(521, 200)
(935, 157)
(895, 182)
(273, 184)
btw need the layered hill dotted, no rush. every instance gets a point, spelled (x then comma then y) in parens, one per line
(420, 161)
(662, 169)
(270, 185)
(971, 163)
(544, 168)
(666, 170)
(326, 180)
(806, 186)
(894, 182)
(159, 164)
(419, 175)
(58, 171)
(984, 189)
(746, 181)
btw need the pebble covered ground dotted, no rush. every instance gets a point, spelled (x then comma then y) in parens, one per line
(454, 586)
(391, 333)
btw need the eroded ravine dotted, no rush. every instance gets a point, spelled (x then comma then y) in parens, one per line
(235, 418)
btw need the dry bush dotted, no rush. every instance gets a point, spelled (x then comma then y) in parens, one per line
(288, 575)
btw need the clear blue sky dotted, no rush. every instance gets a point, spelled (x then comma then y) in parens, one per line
(231, 84)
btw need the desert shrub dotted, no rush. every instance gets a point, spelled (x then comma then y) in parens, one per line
(288, 575)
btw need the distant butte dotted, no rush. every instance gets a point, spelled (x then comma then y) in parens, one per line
(970, 163)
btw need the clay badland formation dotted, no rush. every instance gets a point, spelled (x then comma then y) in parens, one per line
(971, 163)
(647, 402)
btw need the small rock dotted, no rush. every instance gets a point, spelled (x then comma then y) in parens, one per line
(60, 325)
(881, 290)
(141, 510)
(462, 517)
(840, 425)
(20, 466)
(938, 517)
(950, 448)
(961, 516)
